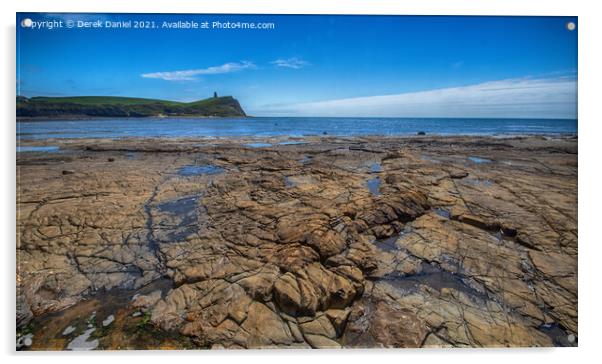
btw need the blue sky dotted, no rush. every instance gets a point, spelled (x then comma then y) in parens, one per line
(316, 65)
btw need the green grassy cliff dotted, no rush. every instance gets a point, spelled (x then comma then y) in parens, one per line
(112, 106)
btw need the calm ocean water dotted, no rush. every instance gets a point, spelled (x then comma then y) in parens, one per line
(262, 127)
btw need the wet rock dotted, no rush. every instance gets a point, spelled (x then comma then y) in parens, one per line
(262, 265)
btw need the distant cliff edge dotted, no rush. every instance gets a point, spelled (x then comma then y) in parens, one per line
(111, 106)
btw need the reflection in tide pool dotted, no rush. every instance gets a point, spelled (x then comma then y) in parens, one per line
(374, 186)
(36, 148)
(292, 143)
(376, 168)
(479, 160)
(194, 170)
(258, 145)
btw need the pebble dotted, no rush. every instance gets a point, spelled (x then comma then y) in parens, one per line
(108, 320)
(25, 340)
(68, 330)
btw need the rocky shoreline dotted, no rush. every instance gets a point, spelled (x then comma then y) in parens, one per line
(318, 242)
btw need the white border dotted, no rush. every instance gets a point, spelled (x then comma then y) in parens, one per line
(590, 121)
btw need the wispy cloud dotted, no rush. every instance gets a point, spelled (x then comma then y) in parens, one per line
(189, 75)
(294, 62)
(525, 97)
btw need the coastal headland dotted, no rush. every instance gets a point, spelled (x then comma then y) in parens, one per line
(316, 242)
(120, 107)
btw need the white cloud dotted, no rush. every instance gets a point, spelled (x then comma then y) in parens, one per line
(294, 62)
(525, 97)
(189, 75)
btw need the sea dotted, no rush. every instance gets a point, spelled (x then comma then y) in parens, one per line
(288, 126)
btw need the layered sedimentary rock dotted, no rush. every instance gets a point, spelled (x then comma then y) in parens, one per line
(362, 242)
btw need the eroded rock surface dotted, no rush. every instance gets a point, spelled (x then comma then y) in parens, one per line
(289, 246)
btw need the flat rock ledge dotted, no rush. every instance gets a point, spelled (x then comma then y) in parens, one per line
(329, 243)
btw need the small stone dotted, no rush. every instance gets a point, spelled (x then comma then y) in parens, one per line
(25, 340)
(108, 320)
(68, 330)
(68, 171)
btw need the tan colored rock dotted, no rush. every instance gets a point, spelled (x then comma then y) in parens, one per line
(320, 333)
(326, 243)
(146, 301)
(289, 298)
(265, 327)
(257, 264)
(338, 319)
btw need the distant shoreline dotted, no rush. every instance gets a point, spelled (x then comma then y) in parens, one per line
(87, 118)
